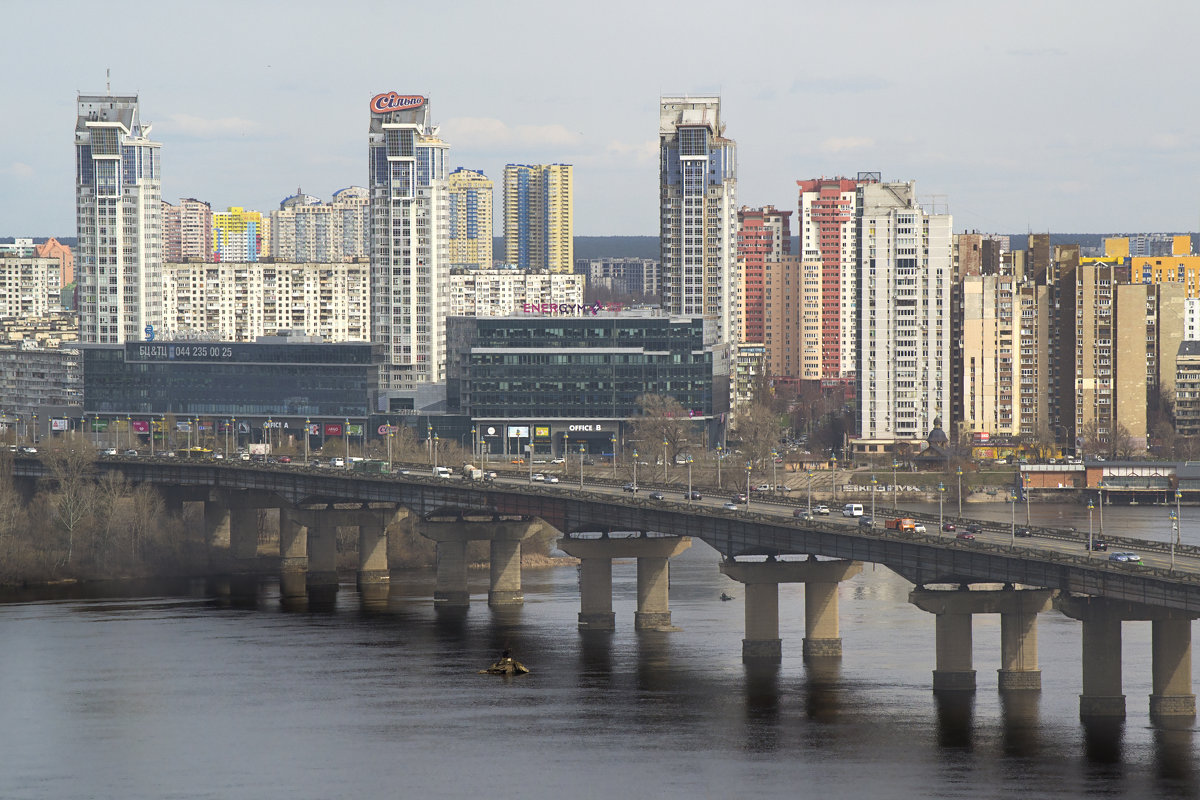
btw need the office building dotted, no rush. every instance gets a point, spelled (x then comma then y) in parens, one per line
(763, 239)
(409, 253)
(545, 376)
(904, 327)
(539, 216)
(306, 230)
(118, 211)
(187, 231)
(470, 209)
(239, 302)
(697, 212)
(510, 292)
(240, 235)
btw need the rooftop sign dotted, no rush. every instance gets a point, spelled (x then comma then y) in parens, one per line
(390, 101)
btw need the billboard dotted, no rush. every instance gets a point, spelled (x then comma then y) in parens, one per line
(60, 425)
(518, 431)
(333, 429)
(140, 426)
(354, 430)
(541, 431)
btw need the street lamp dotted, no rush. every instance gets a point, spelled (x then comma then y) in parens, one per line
(613, 440)
(718, 467)
(635, 460)
(810, 477)
(895, 464)
(346, 440)
(748, 468)
(564, 458)
(689, 463)
(1178, 524)
(1091, 506)
(874, 483)
(941, 497)
(435, 451)
(1012, 498)
(959, 471)
(128, 426)
(774, 476)
(1100, 488)
(1026, 479)
(664, 459)
(1174, 535)
(429, 441)
(581, 449)
(308, 430)
(474, 444)
(390, 435)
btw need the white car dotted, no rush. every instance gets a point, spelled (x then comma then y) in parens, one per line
(919, 528)
(538, 478)
(559, 460)
(110, 451)
(551, 479)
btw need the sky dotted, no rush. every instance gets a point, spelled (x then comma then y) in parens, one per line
(1044, 116)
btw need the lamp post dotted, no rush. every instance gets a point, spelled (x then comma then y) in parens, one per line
(774, 475)
(689, 463)
(1012, 541)
(390, 435)
(810, 477)
(749, 466)
(613, 440)
(581, 449)
(226, 451)
(874, 483)
(959, 472)
(152, 439)
(941, 497)
(635, 459)
(718, 467)
(1100, 489)
(1025, 480)
(664, 459)
(128, 427)
(346, 440)
(429, 441)
(895, 464)
(435, 451)
(474, 444)
(1178, 524)
(308, 430)
(1091, 506)
(563, 452)
(1174, 535)
(269, 426)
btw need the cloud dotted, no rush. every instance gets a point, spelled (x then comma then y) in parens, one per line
(1166, 141)
(853, 84)
(181, 125)
(643, 152)
(485, 133)
(845, 144)
(18, 170)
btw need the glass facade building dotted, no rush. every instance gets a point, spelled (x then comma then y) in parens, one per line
(228, 378)
(587, 367)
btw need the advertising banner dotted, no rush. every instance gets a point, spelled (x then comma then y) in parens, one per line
(384, 430)
(99, 425)
(183, 426)
(541, 431)
(59, 425)
(141, 426)
(354, 430)
(333, 429)
(518, 431)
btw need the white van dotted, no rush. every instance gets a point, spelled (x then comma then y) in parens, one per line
(852, 510)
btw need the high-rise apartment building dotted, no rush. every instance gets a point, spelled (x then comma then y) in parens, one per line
(513, 292)
(409, 254)
(904, 323)
(634, 276)
(539, 216)
(187, 231)
(470, 231)
(986, 367)
(306, 230)
(29, 286)
(763, 239)
(1034, 400)
(697, 212)
(240, 235)
(118, 212)
(827, 227)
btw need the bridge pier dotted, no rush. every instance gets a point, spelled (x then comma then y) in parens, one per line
(216, 522)
(451, 586)
(1171, 697)
(243, 531)
(322, 553)
(653, 578)
(293, 556)
(505, 539)
(372, 554)
(954, 670)
(821, 626)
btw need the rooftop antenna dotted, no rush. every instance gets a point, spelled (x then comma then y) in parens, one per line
(108, 81)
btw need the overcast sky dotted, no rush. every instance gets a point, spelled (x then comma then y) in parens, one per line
(1060, 116)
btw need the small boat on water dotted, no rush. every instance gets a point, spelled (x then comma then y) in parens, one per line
(507, 665)
(725, 596)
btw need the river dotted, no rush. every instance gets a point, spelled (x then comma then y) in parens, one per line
(188, 690)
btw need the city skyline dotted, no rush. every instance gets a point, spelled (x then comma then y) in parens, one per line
(1042, 117)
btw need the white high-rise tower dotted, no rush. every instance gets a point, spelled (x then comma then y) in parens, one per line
(118, 213)
(409, 241)
(698, 212)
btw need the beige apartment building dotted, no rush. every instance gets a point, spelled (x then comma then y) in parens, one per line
(1033, 360)
(990, 365)
(512, 292)
(29, 286)
(241, 301)
(792, 312)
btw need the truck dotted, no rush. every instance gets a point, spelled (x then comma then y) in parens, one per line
(471, 473)
(370, 466)
(901, 524)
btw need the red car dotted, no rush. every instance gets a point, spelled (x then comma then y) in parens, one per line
(949, 526)
(965, 535)
(285, 459)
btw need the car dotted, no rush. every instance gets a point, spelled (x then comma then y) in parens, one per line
(285, 459)
(740, 497)
(693, 496)
(803, 514)
(656, 496)
(730, 506)
(866, 522)
(559, 460)
(949, 527)
(1024, 533)
(131, 452)
(538, 477)
(629, 487)
(242, 456)
(974, 529)
(108, 451)
(763, 487)
(783, 487)
(1125, 558)
(822, 510)
(919, 527)
(539, 461)
(551, 479)
(339, 463)
(591, 462)
(1097, 544)
(218, 457)
(967, 535)
(517, 461)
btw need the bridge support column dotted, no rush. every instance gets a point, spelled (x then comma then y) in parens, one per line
(653, 595)
(505, 573)
(372, 554)
(243, 532)
(954, 670)
(451, 586)
(821, 628)
(1102, 696)
(1171, 649)
(653, 577)
(293, 556)
(322, 555)
(216, 522)
(595, 595)
(1019, 641)
(172, 500)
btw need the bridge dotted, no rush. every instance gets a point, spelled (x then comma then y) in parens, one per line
(953, 579)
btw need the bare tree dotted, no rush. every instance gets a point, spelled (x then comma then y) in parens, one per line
(71, 463)
(663, 419)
